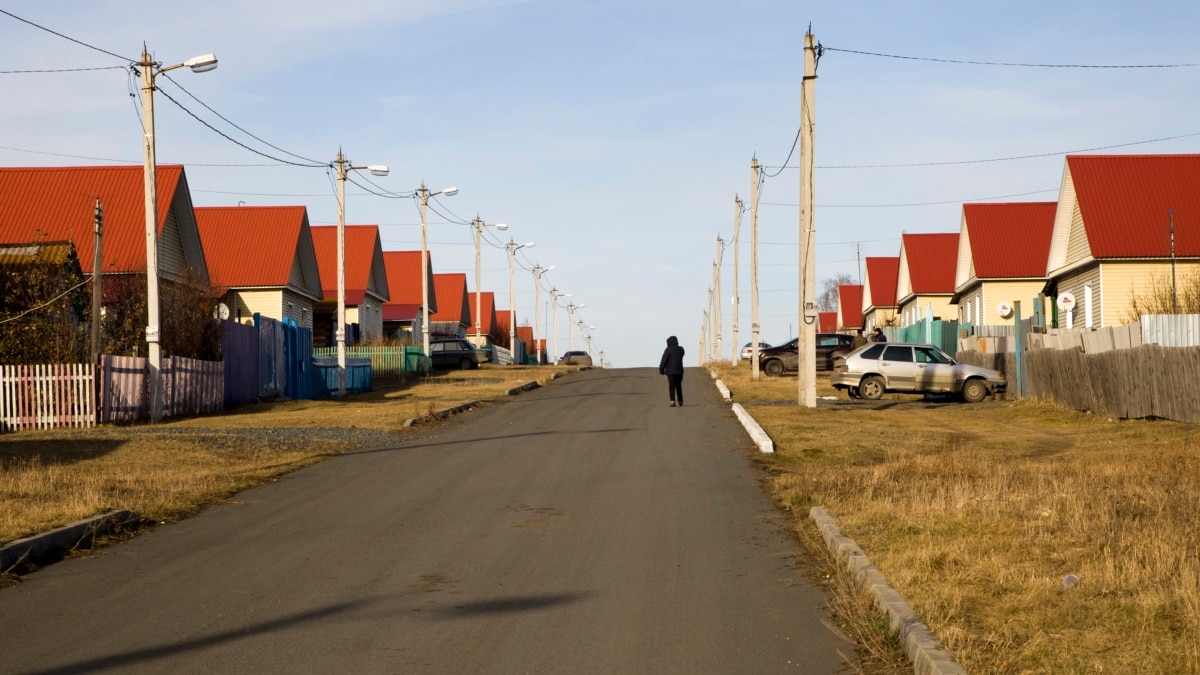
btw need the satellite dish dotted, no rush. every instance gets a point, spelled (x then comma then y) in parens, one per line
(1004, 309)
(1066, 300)
(221, 312)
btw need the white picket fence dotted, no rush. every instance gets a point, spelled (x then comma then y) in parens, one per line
(47, 396)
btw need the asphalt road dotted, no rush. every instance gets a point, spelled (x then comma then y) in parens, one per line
(585, 527)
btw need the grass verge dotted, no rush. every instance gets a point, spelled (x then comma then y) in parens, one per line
(977, 514)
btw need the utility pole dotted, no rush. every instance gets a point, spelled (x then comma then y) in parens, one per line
(754, 339)
(717, 296)
(737, 222)
(97, 265)
(807, 379)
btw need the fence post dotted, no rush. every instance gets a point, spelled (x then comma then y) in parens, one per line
(1019, 360)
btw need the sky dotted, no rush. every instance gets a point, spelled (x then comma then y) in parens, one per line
(614, 135)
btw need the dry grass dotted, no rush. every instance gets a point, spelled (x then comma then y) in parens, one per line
(171, 470)
(977, 513)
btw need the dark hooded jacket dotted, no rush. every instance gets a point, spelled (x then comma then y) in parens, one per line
(672, 358)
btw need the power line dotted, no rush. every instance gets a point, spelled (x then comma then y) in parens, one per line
(1012, 65)
(949, 201)
(59, 70)
(102, 51)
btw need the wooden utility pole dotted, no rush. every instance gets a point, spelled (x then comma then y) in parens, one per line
(737, 221)
(807, 379)
(717, 299)
(97, 268)
(754, 268)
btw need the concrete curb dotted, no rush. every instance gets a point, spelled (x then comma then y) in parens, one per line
(760, 437)
(439, 414)
(532, 384)
(722, 388)
(62, 539)
(927, 654)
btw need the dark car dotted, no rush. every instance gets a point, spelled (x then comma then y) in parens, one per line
(575, 359)
(880, 367)
(456, 353)
(785, 358)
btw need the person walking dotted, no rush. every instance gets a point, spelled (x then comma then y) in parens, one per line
(671, 365)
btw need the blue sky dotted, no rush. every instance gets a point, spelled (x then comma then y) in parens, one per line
(613, 134)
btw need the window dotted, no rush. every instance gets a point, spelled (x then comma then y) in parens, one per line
(898, 353)
(872, 352)
(929, 355)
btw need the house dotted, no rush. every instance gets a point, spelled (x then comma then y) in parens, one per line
(1125, 226)
(44, 298)
(1002, 251)
(525, 335)
(827, 322)
(366, 284)
(453, 315)
(402, 311)
(925, 278)
(504, 320)
(879, 292)
(482, 331)
(849, 312)
(262, 261)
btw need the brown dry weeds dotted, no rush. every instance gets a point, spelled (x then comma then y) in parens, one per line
(976, 514)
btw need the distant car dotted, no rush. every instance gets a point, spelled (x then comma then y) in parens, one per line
(575, 359)
(881, 367)
(748, 350)
(785, 358)
(456, 353)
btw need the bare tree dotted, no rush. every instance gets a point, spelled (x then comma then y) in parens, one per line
(827, 300)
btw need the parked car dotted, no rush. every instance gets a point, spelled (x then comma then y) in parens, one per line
(575, 359)
(456, 353)
(785, 358)
(748, 350)
(878, 368)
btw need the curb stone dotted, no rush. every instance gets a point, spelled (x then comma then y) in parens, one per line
(439, 414)
(760, 437)
(722, 388)
(924, 650)
(61, 539)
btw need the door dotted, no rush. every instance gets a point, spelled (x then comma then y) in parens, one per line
(897, 366)
(934, 370)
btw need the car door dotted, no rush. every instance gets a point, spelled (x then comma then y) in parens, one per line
(935, 371)
(897, 366)
(437, 354)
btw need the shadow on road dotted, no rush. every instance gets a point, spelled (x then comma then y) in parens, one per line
(507, 605)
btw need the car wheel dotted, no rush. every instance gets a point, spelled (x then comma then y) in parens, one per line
(774, 367)
(974, 391)
(871, 388)
(466, 364)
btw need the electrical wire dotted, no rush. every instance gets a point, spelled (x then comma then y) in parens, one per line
(1013, 65)
(890, 206)
(59, 70)
(71, 39)
(48, 302)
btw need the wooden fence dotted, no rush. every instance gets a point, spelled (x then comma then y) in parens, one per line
(386, 362)
(47, 396)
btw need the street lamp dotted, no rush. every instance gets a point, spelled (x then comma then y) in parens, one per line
(424, 194)
(342, 165)
(149, 70)
(479, 225)
(538, 271)
(513, 247)
(571, 309)
(582, 325)
(554, 296)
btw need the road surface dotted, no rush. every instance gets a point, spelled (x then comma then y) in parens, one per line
(584, 527)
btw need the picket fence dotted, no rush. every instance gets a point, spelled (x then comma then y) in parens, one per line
(57, 396)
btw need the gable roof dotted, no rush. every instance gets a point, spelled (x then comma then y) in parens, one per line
(879, 289)
(260, 247)
(364, 264)
(827, 322)
(487, 308)
(403, 269)
(525, 334)
(1004, 241)
(58, 204)
(927, 264)
(504, 320)
(1125, 201)
(450, 290)
(850, 299)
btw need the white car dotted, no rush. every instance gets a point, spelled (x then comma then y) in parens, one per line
(747, 351)
(880, 367)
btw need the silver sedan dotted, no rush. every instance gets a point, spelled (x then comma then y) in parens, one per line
(875, 369)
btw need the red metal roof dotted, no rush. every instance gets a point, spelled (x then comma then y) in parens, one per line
(525, 334)
(404, 278)
(850, 298)
(360, 244)
(58, 204)
(932, 259)
(451, 292)
(400, 312)
(252, 246)
(487, 307)
(503, 320)
(882, 273)
(827, 322)
(1010, 241)
(1125, 201)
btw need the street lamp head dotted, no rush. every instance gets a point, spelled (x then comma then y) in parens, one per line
(202, 64)
(500, 226)
(378, 169)
(581, 305)
(549, 268)
(528, 244)
(449, 192)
